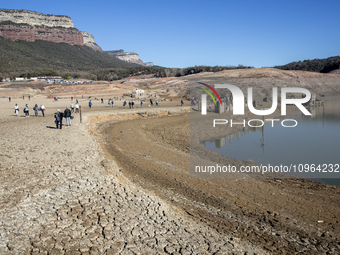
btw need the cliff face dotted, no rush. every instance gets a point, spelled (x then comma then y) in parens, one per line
(31, 26)
(28, 33)
(130, 57)
(127, 56)
(90, 42)
(35, 19)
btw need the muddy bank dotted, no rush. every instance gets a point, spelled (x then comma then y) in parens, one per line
(279, 215)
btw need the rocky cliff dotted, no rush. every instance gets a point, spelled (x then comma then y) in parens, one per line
(29, 33)
(130, 57)
(90, 42)
(35, 19)
(31, 26)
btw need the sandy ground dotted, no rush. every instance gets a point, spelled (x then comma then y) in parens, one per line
(59, 195)
(118, 183)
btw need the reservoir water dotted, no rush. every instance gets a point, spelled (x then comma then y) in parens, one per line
(313, 143)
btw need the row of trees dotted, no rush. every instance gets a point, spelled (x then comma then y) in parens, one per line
(177, 72)
(316, 65)
(160, 72)
(119, 73)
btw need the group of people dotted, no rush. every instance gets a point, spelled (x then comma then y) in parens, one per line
(26, 110)
(151, 102)
(74, 108)
(67, 114)
(111, 102)
(131, 104)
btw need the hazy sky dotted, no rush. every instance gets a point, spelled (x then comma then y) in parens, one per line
(187, 33)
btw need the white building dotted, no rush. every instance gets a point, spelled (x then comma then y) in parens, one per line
(138, 92)
(20, 79)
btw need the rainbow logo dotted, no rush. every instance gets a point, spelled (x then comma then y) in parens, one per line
(208, 92)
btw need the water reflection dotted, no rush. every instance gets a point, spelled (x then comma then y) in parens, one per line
(315, 140)
(219, 143)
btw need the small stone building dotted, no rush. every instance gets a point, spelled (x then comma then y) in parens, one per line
(137, 92)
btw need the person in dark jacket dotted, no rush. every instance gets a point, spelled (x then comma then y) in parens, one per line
(26, 111)
(36, 108)
(67, 115)
(58, 118)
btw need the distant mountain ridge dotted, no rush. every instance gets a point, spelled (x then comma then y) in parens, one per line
(130, 57)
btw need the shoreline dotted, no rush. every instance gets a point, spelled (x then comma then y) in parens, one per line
(166, 190)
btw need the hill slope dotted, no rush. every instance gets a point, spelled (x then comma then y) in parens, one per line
(45, 58)
(316, 65)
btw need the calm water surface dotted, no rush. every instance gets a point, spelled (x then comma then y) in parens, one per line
(315, 140)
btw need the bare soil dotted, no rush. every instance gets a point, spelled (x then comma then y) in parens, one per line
(119, 182)
(279, 215)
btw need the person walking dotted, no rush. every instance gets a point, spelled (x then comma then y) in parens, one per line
(124, 104)
(9, 99)
(151, 103)
(90, 104)
(133, 104)
(156, 103)
(67, 115)
(141, 104)
(72, 108)
(16, 110)
(58, 119)
(182, 103)
(42, 109)
(36, 109)
(77, 108)
(109, 102)
(26, 111)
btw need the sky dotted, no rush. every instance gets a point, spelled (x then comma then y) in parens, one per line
(258, 33)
